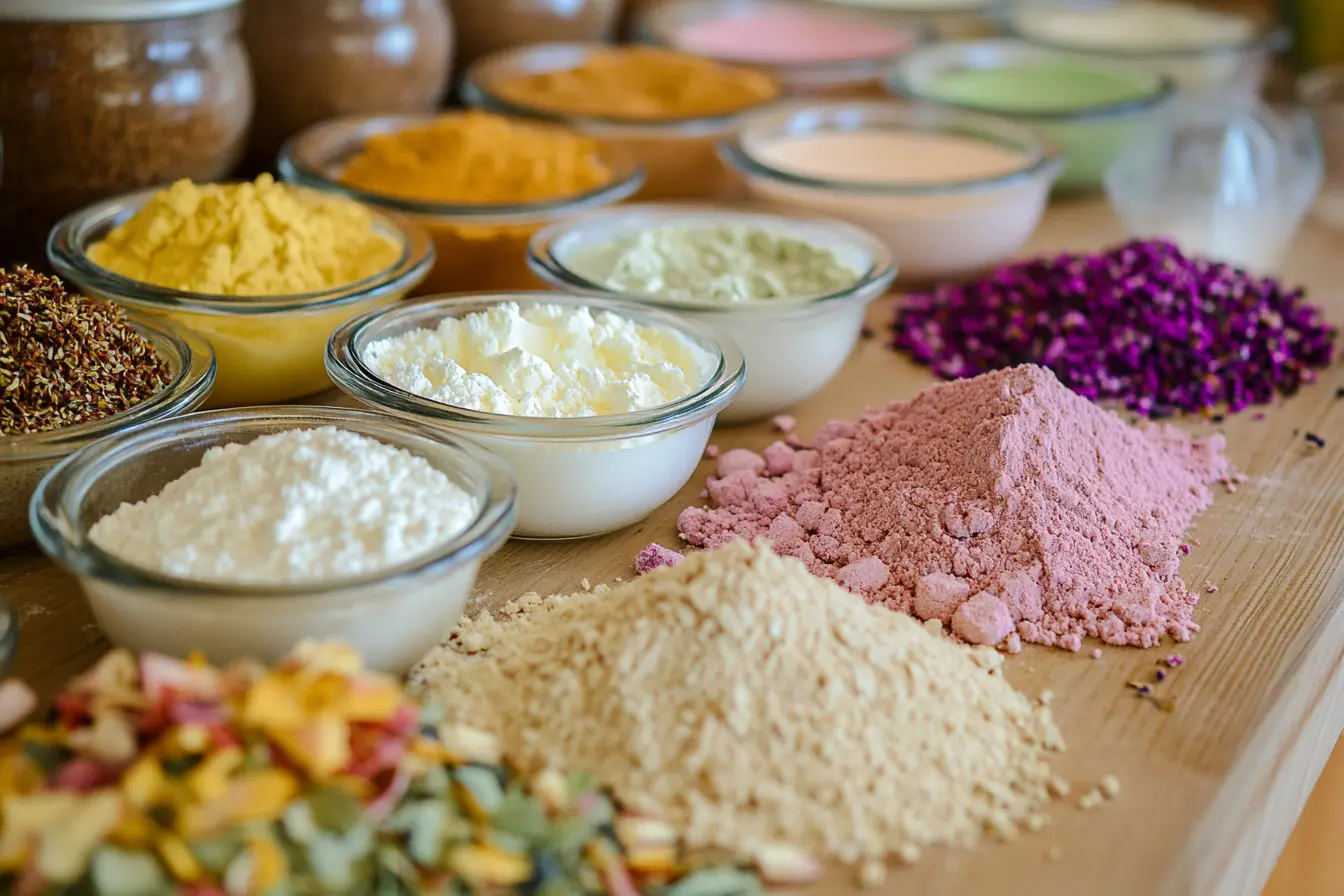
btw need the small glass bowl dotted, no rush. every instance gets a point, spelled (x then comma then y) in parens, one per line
(1090, 136)
(479, 247)
(269, 348)
(392, 617)
(793, 346)
(577, 476)
(934, 230)
(1322, 93)
(1239, 65)
(25, 459)
(678, 155)
(852, 76)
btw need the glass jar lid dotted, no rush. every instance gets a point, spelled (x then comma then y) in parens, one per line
(107, 10)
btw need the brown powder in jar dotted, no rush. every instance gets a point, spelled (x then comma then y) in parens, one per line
(488, 26)
(94, 109)
(320, 59)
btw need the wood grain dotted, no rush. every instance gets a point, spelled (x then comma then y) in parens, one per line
(1211, 791)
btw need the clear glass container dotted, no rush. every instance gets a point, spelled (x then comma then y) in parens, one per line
(485, 27)
(319, 59)
(935, 230)
(1090, 135)
(26, 458)
(1322, 93)
(1229, 178)
(97, 99)
(479, 247)
(269, 348)
(577, 476)
(392, 617)
(793, 345)
(822, 68)
(678, 155)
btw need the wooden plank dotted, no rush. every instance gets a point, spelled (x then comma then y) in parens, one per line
(1211, 791)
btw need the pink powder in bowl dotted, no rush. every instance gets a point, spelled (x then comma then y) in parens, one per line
(781, 36)
(1061, 519)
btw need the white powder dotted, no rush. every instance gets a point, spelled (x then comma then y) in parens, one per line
(542, 360)
(1135, 26)
(294, 506)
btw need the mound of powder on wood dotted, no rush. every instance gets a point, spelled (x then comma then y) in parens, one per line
(1005, 505)
(752, 704)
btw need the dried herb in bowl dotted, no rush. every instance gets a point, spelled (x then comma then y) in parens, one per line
(157, 776)
(65, 359)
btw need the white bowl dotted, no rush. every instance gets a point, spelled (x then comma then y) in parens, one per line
(577, 476)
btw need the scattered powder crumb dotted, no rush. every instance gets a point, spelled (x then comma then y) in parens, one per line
(654, 557)
(1013, 643)
(1035, 823)
(751, 703)
(1110, 787)
(711, 451)
(1055, 854)
(1091, 800)
(1047, 697)
(1096, 653)
(872, 873)
(1175, 660)
(1007, 485)
(30, 611)
(585, 584)
(1059, 788)
(1210, 588)
(909, 854)
(786, 423)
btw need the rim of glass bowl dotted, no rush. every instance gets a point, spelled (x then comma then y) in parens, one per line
(188, 354)
(311, 157)
(545, 260)
(9, 638)
(476, 91)
(996, 53)
(808, 117)
(71, 238)
(55, 509)
(345, 365)
(1268, 38)
(982, 9)
(659, 23)
(1321, 87)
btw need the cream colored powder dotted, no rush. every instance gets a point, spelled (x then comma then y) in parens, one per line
(752, 703)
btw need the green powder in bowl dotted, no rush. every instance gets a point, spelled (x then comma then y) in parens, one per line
(717, 264)
(1089, 109)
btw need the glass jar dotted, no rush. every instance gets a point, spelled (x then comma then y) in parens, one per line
(320, 59)
(488, 26)
(99, 98)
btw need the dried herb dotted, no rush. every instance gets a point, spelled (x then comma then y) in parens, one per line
(316, 777)
(66, 360)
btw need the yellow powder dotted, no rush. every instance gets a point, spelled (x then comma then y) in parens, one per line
(476, 158)
(251, 239)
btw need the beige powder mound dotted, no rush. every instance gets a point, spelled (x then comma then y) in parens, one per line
(752, 703)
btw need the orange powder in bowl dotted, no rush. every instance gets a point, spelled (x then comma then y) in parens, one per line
(645, 84)
(482, 184)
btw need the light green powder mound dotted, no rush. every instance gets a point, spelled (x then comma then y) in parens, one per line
(1050, 87)
(715, 264)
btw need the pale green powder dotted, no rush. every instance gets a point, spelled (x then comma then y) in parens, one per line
(719, 265)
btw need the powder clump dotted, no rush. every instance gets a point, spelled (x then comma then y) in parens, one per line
(1007, 484)
(752, 703)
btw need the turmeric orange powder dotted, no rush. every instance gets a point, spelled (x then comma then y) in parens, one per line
(475, 158)
(640, 84)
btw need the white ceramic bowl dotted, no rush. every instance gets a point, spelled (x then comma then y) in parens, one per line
(793, 346)
(935, 230)
(392, 617)
(577, 476)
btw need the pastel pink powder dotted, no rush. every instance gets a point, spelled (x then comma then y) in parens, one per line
(1007, 484)
(781, 36)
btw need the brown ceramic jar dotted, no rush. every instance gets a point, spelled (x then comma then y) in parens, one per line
(320, 59)
(487, 26)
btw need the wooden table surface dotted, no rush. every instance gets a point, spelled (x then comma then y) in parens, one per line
(1211, 791)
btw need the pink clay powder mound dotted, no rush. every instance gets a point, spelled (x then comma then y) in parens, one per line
(997, 505)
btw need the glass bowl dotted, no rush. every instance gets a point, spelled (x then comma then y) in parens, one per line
(934, 230)
(1091, 136)
(392, 617)
(842, 75)
(577, 476)
(269, 348)
(1322, 93)
(25, 459)
(678, 155)
(1240, 61)
(479, 247)
(792, 346)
